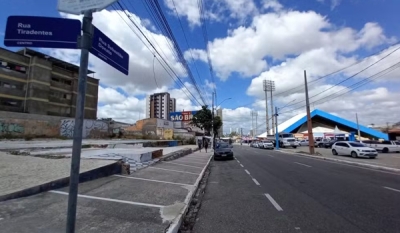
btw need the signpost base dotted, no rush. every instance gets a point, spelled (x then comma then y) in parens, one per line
(85, 45)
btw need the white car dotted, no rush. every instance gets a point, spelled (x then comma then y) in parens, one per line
(354, 149)
(303, 143)
(268, 145)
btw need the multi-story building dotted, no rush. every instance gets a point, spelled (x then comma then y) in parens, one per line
(160, 105)
(33, 82)
(220, 131)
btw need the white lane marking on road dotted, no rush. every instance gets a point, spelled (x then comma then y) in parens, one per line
(276, 205)
(248, 173)
(158, 181)
(1, 219)
(184, 165)
(302, 164)
(111, 200)
(173, 170)
(297, 228)
(255, 181)
(241, 164)
(389, 188)
(237, 161)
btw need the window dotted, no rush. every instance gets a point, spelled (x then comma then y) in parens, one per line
(61, 80)
(387, 143)
(60, 95)
(10, 102)
(12, 66)
(356, 144)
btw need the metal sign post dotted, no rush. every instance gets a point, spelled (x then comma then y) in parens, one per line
(85, 43)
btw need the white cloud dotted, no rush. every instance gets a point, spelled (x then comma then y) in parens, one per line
(141, 77)
(187, 8)
(196, 54)
(293, 33)
(272, 4)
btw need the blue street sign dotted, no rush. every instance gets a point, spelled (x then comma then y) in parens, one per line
(105, 49)
(44, 32)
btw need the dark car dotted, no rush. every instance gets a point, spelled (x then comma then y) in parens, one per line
(223, 151)
(330, 143)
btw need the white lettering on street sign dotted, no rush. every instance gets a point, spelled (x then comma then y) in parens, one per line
(77, 7)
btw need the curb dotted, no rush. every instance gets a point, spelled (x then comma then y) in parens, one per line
(365, 165)
(176, 223)
(96, 173)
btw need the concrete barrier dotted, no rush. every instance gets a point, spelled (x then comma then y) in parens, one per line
(111, 169)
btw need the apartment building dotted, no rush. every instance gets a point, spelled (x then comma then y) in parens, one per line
(33, 82)
(160, 105)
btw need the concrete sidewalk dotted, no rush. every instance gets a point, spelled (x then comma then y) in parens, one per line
(150, 200)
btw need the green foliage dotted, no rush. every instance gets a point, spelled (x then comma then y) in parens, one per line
(203, 120)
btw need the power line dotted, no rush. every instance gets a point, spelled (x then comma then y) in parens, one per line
(155, 50)
(352, 76)
(339, 70)
(205, 38)
(354, 86)
(187, 43)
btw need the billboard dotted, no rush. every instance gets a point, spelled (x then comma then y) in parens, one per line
(182, 120)
(182, 116)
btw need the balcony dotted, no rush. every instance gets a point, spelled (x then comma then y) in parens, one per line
(12, 73)
(12, 91)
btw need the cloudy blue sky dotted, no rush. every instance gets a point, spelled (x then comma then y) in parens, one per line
(248, 41)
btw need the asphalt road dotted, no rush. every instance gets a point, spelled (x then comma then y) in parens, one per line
(269, 191)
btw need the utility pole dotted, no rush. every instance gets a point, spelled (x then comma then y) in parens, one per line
(358, 128)
(271, 89)
(256, 114)
(252, 123)
(276, 129)
(265, 88)
(309, 123)
(212, 120)
(241, 136)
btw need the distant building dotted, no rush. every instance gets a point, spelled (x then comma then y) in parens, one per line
(33, 82)
(160, 105)
(220, 131)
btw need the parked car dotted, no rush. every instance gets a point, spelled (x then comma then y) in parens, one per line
(354, 149)
(260, 145)
(268, 145)
(223, 151)
(254, 144)
(322, 142)
(303, 143)
(384, 146)
(330, 143)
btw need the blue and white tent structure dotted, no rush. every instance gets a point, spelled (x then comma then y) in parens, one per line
(324, 122)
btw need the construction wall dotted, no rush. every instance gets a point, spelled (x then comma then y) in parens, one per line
(22, 124)
(91, 128)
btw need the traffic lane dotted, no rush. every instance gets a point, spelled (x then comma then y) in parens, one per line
(337, 202)
(377, 177)
(233, 203)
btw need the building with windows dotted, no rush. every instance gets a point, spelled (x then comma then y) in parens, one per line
(33, 82)
(160, 105)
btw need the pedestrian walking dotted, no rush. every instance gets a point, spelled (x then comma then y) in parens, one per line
(206, 145)
(200, 144)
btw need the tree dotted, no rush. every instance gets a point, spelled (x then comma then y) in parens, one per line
(203, 120)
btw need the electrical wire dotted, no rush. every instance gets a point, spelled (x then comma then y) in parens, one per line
(348, 78)
(193, 99)
(337, 71)
(154, 72)
(353, 86)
